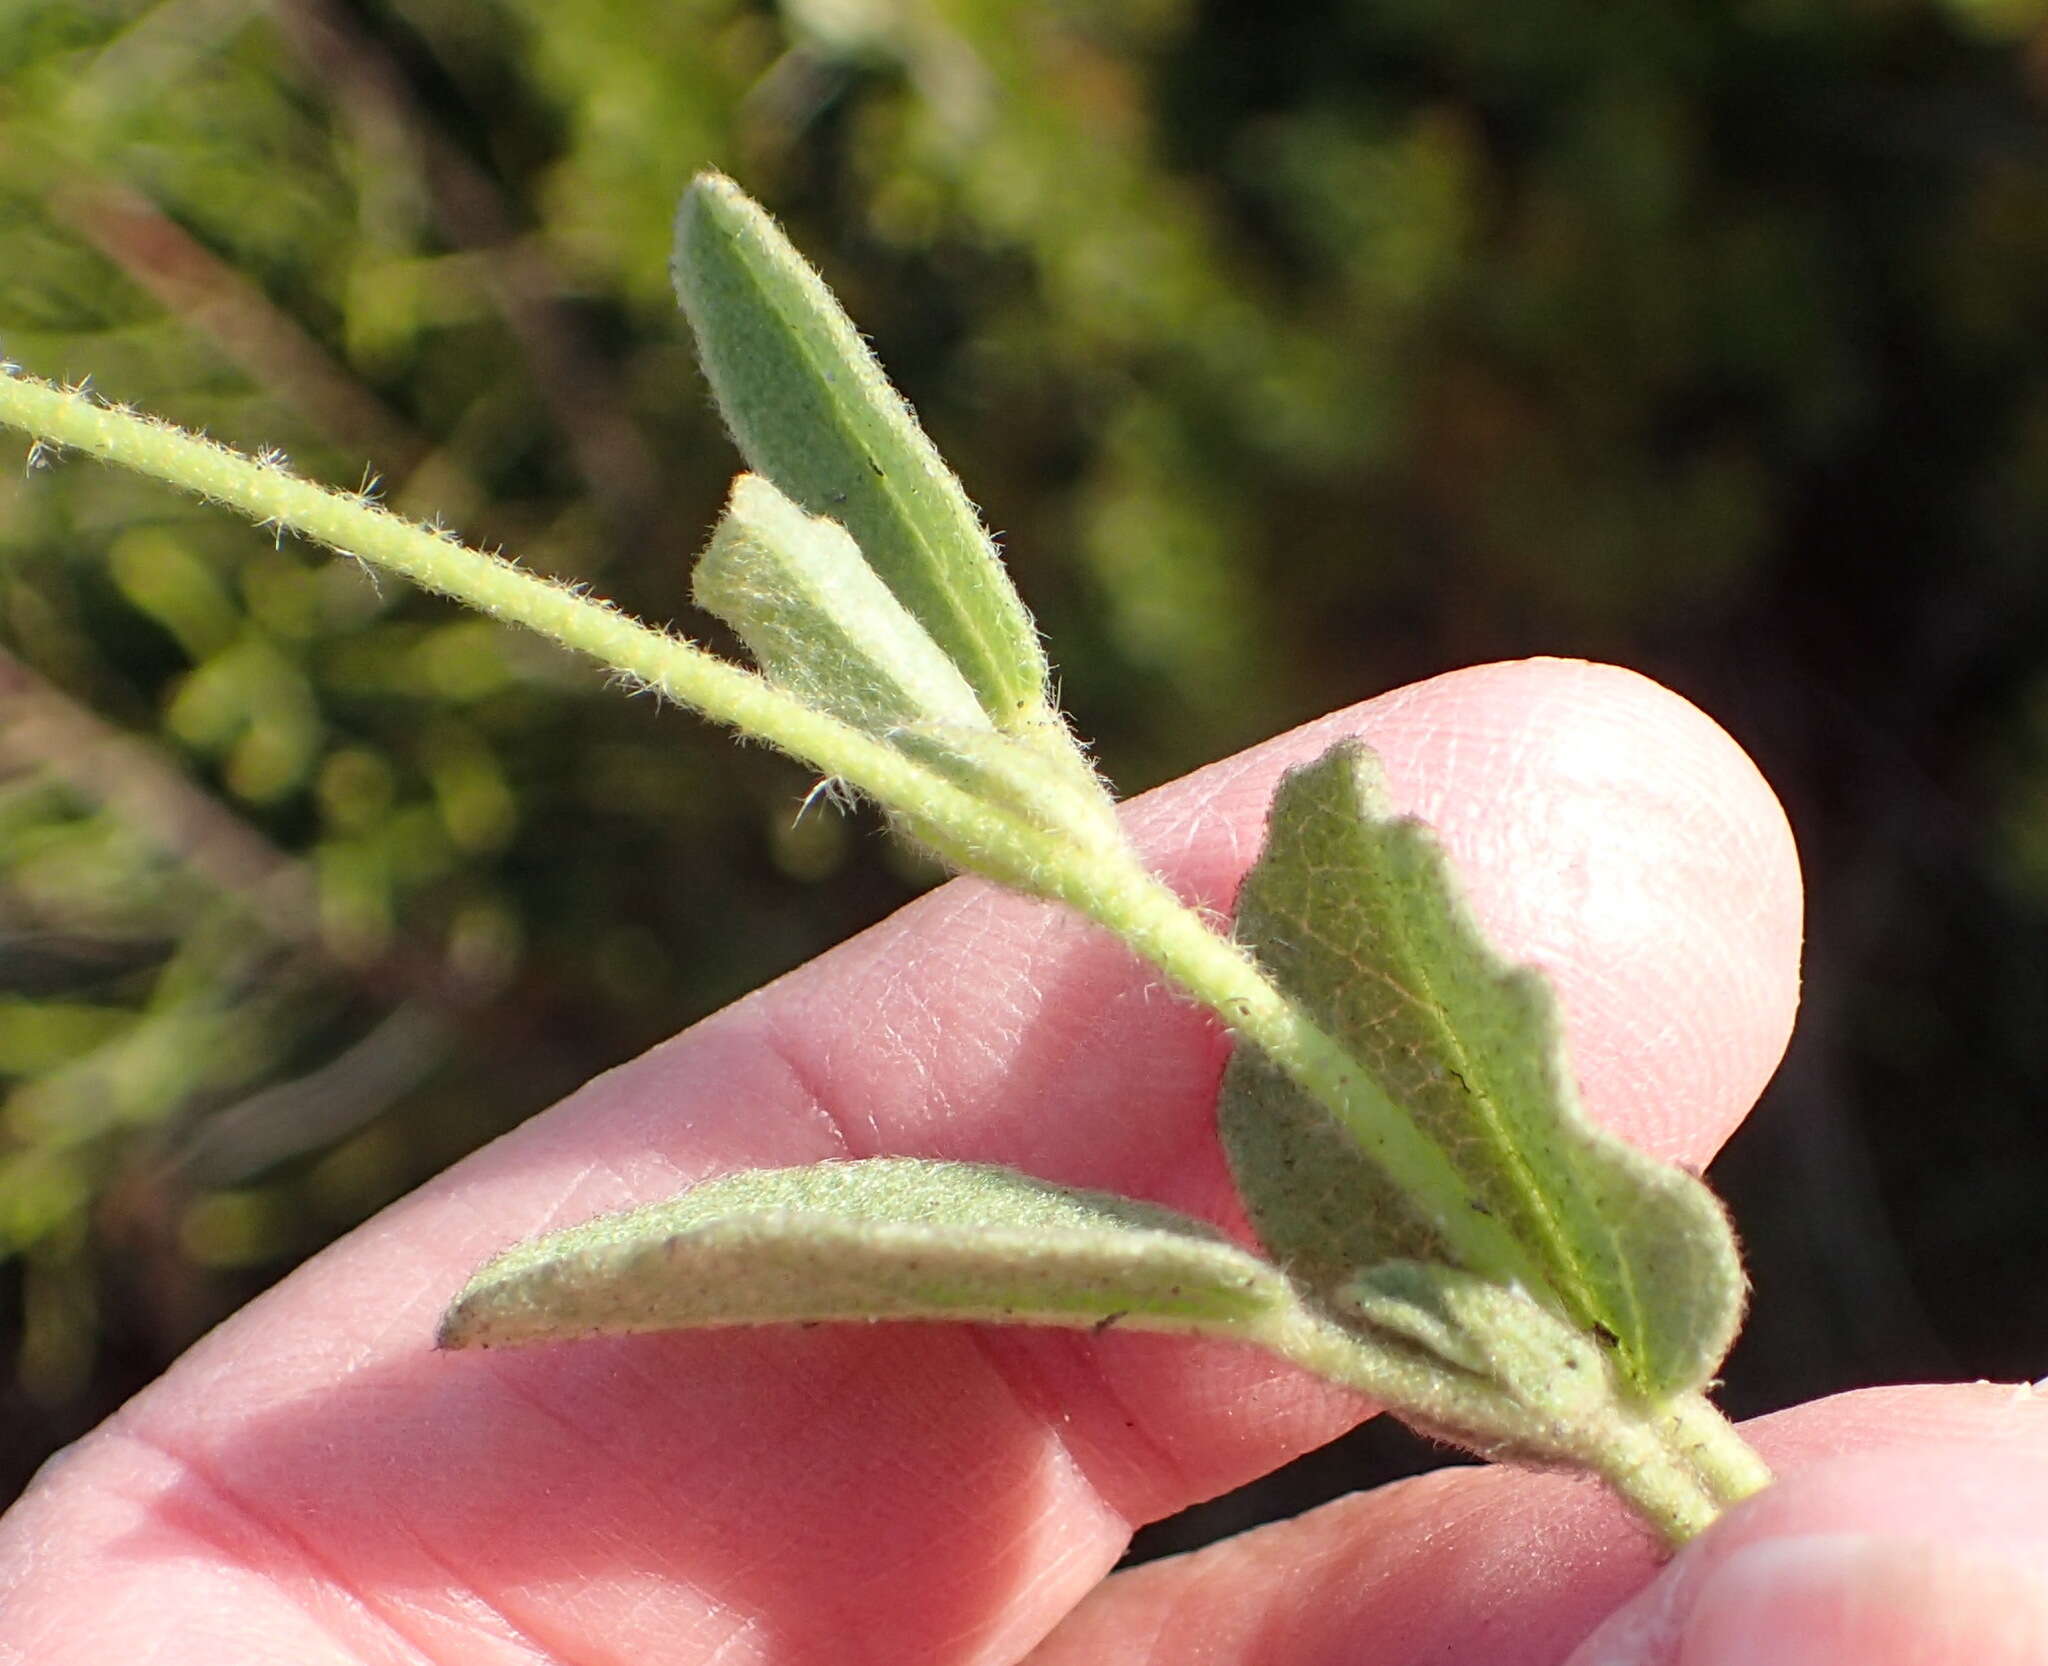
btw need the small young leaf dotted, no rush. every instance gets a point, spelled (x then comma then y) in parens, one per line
(810, 408)
(1354, 913)
(820, 623)
(888, 1238)
(1534, 1357)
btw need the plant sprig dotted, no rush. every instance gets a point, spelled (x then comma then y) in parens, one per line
(1446, 1233)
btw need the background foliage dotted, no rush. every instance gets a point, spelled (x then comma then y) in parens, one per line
(1299, 349)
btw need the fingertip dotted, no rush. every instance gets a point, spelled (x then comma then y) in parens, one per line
(1925, 1545)
(1871, 1600)
(1653, 875)
(1902, 1520)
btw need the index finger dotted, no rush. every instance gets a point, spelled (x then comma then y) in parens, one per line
(313, 1483)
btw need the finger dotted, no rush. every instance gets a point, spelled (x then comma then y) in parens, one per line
(1910, 1529)
(943, 1493)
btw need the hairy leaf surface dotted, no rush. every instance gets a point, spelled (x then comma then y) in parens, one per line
(888, 1238)
(820, 623)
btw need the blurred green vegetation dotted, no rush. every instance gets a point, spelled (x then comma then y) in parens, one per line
(1297, 349)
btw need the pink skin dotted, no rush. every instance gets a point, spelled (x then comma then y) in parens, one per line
(314, 1484)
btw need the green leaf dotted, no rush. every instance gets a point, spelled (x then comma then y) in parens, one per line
(904, 1238)
(820, 623)
(1355, 914)
(810, 408)
(888, 1238)
(1533, 1357)
(901, 1238)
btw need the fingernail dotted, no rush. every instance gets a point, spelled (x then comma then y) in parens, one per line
(1864, 1600)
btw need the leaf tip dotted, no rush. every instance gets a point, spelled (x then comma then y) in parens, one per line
(458, 1328)
(711, 206)
(478, 1315)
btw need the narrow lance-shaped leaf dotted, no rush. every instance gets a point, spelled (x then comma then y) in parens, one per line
(1552, 1374)
(810, 408)
(889, 1238)
(1355, 914)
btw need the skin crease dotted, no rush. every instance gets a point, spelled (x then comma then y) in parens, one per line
(314, 1484)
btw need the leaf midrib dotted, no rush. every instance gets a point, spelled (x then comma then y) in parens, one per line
(1558, 1240)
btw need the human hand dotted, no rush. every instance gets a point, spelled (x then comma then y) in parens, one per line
(314, 1484)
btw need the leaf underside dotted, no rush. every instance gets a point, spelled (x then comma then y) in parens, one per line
(820, 622)
(1355, 914)
(888, 1238)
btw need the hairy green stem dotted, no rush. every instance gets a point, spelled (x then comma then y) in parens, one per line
(1713, 1446)
(1639, 1459)
(272, 496)
(1676, 1471)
